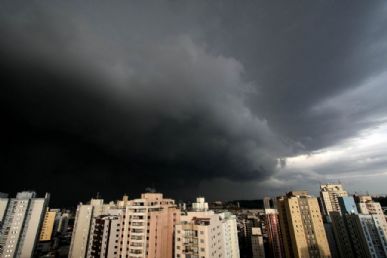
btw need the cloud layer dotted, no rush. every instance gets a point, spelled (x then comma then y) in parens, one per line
(189, 98)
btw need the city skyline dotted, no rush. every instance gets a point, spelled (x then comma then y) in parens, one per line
(296, 224)
(229, 100)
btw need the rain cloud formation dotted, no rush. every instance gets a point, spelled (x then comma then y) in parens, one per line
(229, 99)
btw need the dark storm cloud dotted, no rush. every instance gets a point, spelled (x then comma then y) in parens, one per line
(165, 112)
(117, 97)
(304, 52)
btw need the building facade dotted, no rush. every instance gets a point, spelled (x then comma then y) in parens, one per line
(329, 194)
(50, 221)
(202, 233)
(149, 227)
(258, 249)
(302, 226)
(274, 236)
(3, 206)
(83, 224)
(22, 224)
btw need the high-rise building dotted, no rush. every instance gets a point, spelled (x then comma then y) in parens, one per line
(331, 239)
(204, 233)
(63, 223)
(258, 250)
(302, 226)
(3, 206)
(149, 227)
(274, 236)
(344, 232)
(21, 225)
(269, 203)
(329, 194)
(246, 223)
(83, 224)
(266, 203)
(106, 234)
(230, 235)
(49, 237)
(367, 206)
(48, 226)
(136, 228)
(373, 234)
(359, 235)
(374, 225)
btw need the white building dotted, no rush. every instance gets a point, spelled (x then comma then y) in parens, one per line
(83, 224)
(21, 225)
(374, 225)
(230, 234)
(105, 234)
(374, 236)
(329, 194)
(204, 234)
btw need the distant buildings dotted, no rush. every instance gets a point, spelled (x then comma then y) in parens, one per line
(54, 232)
(21, 224)
(302, 226)
(155, 227)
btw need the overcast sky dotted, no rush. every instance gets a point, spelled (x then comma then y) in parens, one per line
(226, 99)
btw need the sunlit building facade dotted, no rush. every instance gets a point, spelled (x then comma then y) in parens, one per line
(302, 226)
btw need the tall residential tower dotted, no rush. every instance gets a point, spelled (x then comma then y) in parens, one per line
(302, 226)
(21, 225)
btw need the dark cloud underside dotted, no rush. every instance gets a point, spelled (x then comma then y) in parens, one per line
(116, 97)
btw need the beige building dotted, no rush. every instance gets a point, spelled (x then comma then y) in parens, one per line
(367, 206)
(302, 226)
(149, 226)
(139, 228)
(202, 233)
(329, 194)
